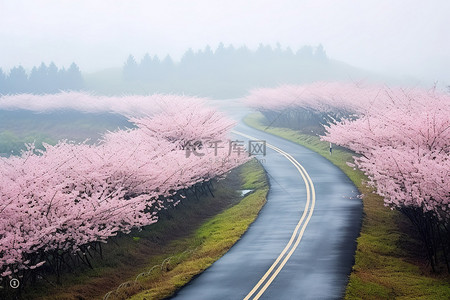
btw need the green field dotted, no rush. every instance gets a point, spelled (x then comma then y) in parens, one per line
(168, 254)
(388, 261)
(18, 127)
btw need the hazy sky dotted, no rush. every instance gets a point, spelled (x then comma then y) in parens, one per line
(408, 37)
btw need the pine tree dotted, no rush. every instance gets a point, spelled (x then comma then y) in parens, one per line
(320, 54)
(130, 69)
(17, 81)
(167, 67)
(52, 79)
(146, 67)
(2, 82)
(41, 79)
(73, 78)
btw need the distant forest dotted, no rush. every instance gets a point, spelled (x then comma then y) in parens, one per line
(224, 72)
(225, 63)
(41, 80)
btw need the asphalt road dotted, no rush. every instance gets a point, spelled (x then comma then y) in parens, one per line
(320, 264)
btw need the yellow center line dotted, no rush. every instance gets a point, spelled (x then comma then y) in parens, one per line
(295, 235)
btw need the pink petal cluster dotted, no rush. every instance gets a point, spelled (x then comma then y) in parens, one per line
(132, 105)
(403, 135)
(405, 149)
(331, 97)
(72, 194)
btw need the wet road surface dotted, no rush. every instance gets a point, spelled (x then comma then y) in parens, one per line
(319, 267)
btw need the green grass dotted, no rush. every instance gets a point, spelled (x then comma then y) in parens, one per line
(388, 262)
(12, 143)
(194, 234)
(216, 235)
(18, 127)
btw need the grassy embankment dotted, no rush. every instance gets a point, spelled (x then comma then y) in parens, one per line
(388, 262)
(193, 235)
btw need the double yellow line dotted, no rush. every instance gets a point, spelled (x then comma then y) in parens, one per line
(297, 235)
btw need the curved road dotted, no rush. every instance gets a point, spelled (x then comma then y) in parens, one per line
(306, 232)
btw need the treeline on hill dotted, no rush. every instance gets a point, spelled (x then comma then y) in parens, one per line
(266, 65)
(41, 80)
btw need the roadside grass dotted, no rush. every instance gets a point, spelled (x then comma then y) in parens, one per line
(388, 260)
(215, 237)
(186, 240)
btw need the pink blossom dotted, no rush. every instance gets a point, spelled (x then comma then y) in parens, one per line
(72, 194)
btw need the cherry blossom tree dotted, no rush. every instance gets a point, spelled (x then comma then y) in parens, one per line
(310, 107)
(401, 136)
(404, 149)
(68, 198)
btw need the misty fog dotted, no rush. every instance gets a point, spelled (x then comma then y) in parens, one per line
(404, 39)
(218, 50)
(231, 125)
